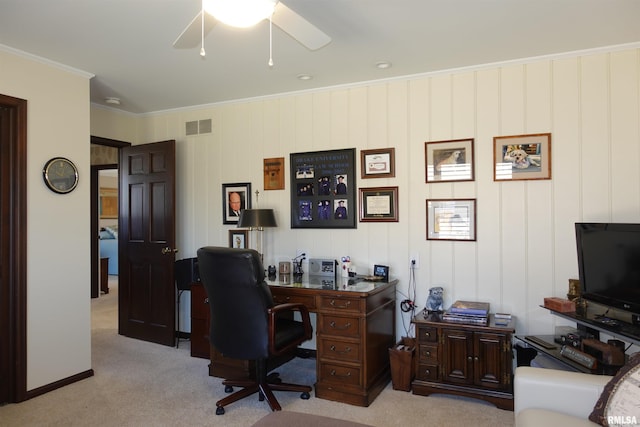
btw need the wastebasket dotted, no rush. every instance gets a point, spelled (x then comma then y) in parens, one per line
(401, 359)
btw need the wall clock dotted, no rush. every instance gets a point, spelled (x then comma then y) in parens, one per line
(60, 175)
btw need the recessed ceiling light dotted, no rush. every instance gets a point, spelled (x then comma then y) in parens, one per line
(112, 100)
(304, 77)
(383, 65)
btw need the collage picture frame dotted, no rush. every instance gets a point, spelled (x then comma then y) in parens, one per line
(323, 189)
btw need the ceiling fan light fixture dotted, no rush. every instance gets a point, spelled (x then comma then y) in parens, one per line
(239, 13)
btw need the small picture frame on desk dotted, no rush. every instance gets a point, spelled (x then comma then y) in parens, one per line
(239, 238)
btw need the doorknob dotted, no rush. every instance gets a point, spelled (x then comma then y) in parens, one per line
(167, 250)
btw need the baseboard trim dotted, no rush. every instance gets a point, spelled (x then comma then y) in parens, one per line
(59, 384)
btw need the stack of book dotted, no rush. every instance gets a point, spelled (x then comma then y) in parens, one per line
(471, 312)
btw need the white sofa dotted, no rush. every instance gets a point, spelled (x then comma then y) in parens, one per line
(550, 397)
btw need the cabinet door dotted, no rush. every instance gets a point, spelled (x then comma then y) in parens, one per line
(458, 356)
(492, 359)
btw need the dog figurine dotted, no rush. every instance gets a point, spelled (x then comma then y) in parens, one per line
(519, 159)
(435, 300)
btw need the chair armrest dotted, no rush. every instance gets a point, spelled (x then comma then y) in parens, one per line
(276, 311)
(572, 393)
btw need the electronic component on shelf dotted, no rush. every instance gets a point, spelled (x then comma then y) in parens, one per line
(542, 343)
(579, 357)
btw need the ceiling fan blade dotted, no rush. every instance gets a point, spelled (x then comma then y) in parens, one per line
(192, 35)
(299, 28)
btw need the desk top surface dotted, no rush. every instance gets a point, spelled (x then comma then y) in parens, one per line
(342, 284)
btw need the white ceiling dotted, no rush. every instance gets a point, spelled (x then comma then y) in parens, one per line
(127, 44)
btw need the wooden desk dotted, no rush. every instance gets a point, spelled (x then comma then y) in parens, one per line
(355, 328)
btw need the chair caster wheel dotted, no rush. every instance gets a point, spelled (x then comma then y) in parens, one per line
(228, 389)
(305, 396)
(219, 410)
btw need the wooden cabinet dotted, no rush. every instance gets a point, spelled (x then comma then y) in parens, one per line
(466, 360)
(199, 321)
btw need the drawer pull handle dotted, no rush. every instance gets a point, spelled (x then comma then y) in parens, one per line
(346, 304)
(346, 326)
(333, 374)
(345, 351)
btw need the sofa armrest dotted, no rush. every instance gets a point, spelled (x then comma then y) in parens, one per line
(572, 393)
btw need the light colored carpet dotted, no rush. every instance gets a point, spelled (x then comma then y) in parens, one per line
(142, 384)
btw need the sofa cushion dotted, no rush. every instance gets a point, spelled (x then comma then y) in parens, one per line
(620, 396)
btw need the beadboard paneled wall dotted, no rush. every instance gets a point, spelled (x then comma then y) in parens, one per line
(525, 247)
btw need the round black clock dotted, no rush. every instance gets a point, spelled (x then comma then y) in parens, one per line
(60, 175)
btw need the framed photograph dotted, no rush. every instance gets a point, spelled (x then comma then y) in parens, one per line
(378, 163)
(239, 238)
(108, 203)
(235, 198)
(522, 157)
(379, 204)
(323, 189)
(448, 161)
(274, 173)
(451, 219)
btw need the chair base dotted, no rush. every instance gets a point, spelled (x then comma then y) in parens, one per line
(265, 388)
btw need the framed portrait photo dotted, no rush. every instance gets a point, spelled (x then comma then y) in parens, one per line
(522, 157)
(379, 204)
(378, 163)
(239, 238)
(451, 219)
(448, 161)
(235, 198)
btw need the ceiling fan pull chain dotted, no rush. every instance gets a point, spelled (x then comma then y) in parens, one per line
(270, 41)
(202, 52)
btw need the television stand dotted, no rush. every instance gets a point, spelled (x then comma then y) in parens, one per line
(624, 331)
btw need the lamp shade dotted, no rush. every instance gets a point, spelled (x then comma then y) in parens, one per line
(257, 218)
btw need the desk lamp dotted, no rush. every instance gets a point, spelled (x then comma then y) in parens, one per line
(257, 220)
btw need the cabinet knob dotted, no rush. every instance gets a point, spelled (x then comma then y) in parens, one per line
(427, 353)
(469, 358)
(427, 371)
(427, 334)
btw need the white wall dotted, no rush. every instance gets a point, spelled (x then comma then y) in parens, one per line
(58, 267)
(525, 247)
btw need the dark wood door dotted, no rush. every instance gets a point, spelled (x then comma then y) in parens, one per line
(492, 358)
(146, 241)
(458, 356)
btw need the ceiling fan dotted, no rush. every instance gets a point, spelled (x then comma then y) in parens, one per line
(286, 19)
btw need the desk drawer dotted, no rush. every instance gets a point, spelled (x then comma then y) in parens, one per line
(339, 350)
(339, 325)
(343, 375)
(427, 372)
(427, 334)
(345, 304)
(308, 301)
(428, 354)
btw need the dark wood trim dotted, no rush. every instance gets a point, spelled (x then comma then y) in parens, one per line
(13, 284)
(94, 192)
(59, 384)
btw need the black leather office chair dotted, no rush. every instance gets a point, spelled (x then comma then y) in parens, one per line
(245, 322)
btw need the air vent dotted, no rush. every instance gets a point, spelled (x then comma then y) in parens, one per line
(198, 127)
(191, 128)
(204, 126)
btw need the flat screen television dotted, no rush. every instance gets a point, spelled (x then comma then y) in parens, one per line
(609, 264)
